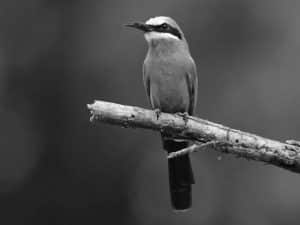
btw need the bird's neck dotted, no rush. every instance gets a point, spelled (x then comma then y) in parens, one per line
(166, 47)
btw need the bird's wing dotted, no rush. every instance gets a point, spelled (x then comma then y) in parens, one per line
(146, 80)
(192, 82)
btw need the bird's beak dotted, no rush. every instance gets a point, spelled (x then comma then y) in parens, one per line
(140, 26)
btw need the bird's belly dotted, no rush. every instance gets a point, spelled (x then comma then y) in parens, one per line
(169, 95)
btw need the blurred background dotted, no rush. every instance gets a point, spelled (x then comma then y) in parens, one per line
(58, 168)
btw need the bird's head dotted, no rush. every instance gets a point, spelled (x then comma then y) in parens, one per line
(160, 28)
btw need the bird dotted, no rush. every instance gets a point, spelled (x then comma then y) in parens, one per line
(171, 83)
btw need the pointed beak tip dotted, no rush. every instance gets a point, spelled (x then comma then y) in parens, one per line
(134, 25)
(128, 25)
(139, 26)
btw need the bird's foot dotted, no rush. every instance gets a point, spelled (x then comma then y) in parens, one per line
(184, 115)
(157, 112)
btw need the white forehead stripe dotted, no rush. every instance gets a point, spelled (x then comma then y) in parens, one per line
(157, 20)
(157, 35)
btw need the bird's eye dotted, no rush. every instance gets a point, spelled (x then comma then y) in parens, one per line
(164, 26)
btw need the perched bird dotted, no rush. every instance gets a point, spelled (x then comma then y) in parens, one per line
(171, 83)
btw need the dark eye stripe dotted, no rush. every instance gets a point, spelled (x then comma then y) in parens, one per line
(166, 28)
(175, 32)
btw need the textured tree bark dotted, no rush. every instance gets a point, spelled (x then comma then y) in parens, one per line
(202, 132)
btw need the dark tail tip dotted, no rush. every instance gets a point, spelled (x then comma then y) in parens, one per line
(180, 176)
(181, 198)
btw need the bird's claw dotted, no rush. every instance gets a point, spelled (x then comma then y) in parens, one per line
(184, 115)
(157, 112)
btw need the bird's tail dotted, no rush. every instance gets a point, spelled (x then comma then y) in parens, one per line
(180, 175)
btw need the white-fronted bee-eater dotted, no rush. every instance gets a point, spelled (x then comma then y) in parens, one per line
(171, 84)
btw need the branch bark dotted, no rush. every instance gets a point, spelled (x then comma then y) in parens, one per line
(202, 133)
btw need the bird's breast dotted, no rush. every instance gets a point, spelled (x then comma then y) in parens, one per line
(168, 86)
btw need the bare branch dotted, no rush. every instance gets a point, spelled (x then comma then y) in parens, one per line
(192, 148)
(225, 139)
